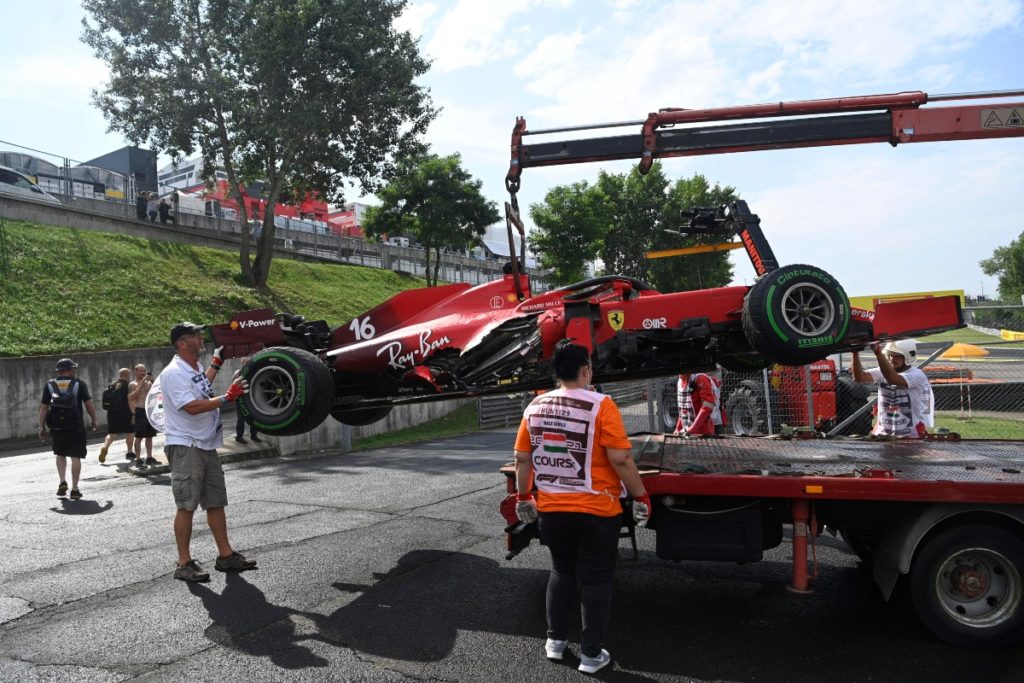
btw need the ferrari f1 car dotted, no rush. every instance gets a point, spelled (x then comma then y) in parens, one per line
(456, 340)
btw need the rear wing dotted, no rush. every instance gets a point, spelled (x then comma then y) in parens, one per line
(250, 331)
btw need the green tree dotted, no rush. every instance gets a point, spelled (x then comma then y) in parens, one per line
(568, 229)
(1007, 263)
(304, 95)
(634, 208)
(694, 271)
(436, 201)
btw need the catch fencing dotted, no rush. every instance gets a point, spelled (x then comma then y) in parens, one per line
(978, 397)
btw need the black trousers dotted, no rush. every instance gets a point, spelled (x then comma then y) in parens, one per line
(583, 552)
(240, 426)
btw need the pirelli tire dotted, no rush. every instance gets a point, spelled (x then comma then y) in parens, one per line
(290, 391)
(796, 315)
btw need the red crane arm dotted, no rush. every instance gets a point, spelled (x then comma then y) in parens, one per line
(896, 118)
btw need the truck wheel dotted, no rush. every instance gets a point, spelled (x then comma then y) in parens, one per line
(967, 587)
(796, 315)
(290, 391)
(361, 416)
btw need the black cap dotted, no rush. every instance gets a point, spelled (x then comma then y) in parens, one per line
(66, 364)
(181, 329)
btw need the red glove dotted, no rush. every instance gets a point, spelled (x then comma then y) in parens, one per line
(218, 358)
(642, 509)
(526, 508)
(700, 421)
(237, 388)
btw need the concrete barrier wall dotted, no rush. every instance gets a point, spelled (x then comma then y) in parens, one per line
(22, 381)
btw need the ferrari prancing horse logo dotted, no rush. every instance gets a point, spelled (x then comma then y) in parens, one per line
(616, 319)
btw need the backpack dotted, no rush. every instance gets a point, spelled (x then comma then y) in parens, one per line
(62, 413)
(107, 400)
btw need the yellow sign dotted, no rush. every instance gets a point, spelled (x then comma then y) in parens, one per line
(616, 319)
(869, 302)
(1010, 335)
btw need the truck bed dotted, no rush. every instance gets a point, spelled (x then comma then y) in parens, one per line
(981, 471)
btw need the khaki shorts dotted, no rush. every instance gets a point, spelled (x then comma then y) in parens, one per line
(196, 478)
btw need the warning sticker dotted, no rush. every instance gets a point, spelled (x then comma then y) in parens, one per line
(1002, 118)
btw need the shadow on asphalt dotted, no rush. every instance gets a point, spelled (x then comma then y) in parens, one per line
(81, 507)
(244, 620)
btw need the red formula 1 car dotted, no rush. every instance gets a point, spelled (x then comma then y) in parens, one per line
(456, 340)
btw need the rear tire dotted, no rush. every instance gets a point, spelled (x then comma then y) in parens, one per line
(967, 587)
(796, 315)
(850, 397)
(290, 391)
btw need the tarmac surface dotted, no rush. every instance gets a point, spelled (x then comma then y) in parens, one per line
(388, 566)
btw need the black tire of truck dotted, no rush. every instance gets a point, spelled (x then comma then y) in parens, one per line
(966, 586)
(796, 315)
(290, 391)
(360, 416)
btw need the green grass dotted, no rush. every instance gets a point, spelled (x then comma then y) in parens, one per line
(969, 336)
(460, 421)
(980, 427)
(66, 290)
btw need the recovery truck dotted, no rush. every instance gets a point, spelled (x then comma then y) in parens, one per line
(943, 515)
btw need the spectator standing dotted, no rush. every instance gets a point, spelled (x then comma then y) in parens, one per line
(240, 419)
(905, 399)
(61, 411)
(575, 441)
(699, 398)
(151, 207)
(119, 416)
(193, 433)
(164, 210)
(137, 392)
(140, 206)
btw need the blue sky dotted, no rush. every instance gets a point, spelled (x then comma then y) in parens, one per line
(880, 219)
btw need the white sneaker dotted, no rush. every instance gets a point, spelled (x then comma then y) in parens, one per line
(554, 649)
(591, 665)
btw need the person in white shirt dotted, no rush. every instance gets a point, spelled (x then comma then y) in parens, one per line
(193, 433)
(905, 399)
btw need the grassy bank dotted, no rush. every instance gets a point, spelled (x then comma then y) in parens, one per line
(460, 421)
(64, 290)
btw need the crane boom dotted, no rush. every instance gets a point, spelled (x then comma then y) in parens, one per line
(896, 118)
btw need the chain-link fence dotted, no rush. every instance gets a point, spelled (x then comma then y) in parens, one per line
(978, 396)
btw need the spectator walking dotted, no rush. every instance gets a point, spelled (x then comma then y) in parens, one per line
(61, 411)
(574, 439)
(119, 415)
(151, 207)
(193, 433)
(144, 432)
(164, 210)
(140, 206)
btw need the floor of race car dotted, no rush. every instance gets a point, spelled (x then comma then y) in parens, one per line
(963, 461)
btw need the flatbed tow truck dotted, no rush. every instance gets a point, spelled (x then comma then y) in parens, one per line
(943, 515)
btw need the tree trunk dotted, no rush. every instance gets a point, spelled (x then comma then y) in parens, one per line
(437, 265)
(426, 271)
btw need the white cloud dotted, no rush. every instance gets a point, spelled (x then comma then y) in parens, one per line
(415, 17)
(472, 33)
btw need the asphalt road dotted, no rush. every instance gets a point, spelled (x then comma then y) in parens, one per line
(388, 566)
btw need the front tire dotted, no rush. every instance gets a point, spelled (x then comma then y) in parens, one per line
(290, 391)
(967, 588)
(796, 315)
